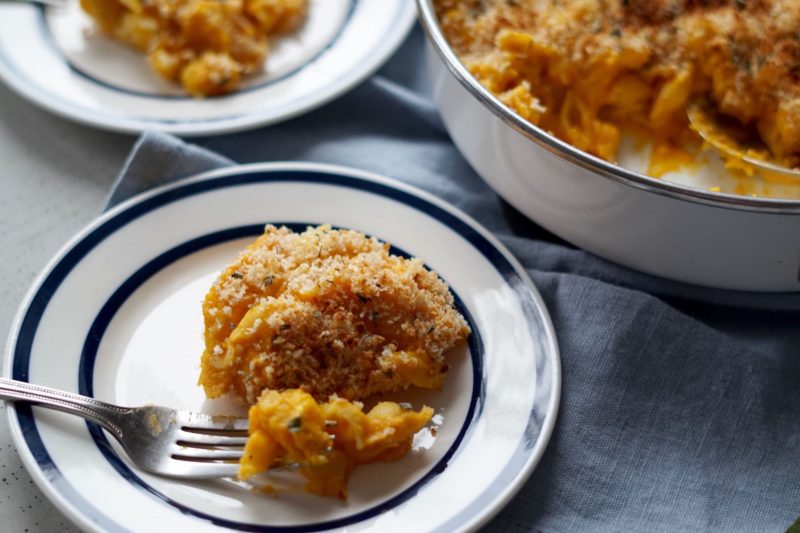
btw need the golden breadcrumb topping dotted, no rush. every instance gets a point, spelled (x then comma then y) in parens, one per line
(329, 312)
(206, 45)
(326, 441)
(587, 69)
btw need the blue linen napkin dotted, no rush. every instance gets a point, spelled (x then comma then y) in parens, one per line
(680, 405)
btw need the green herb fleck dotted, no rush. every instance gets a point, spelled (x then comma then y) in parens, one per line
(295, 424)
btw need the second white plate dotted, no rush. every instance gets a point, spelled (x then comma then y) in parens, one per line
(57, 59)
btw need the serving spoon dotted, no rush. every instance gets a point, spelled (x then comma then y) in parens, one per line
(727, 138)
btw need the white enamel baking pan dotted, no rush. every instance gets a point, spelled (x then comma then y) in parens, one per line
(662, 228)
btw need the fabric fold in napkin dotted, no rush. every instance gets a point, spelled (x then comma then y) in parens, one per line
(158, 159)
(680, 406)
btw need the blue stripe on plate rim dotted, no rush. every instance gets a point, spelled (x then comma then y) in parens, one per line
(548, 374)
(47, 35)
(51, 101)
(105, 316)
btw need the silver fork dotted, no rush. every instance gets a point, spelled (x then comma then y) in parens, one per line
(157, 439)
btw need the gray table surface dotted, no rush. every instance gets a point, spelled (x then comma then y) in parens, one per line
(54, 179)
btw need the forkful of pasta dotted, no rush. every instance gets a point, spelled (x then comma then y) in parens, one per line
(286, 430)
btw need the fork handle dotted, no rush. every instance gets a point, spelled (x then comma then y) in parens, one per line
(103, 413)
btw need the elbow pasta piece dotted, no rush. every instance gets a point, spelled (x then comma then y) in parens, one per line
(671, 98)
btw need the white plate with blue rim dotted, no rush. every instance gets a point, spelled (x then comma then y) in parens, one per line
(117, 315)
(56, 58)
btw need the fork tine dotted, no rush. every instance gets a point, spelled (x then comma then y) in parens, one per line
(214, 432)
(203, 439)
(185, 453)
(198, 470)
(203, 422)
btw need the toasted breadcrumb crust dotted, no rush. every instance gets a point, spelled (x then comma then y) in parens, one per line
(327, 311)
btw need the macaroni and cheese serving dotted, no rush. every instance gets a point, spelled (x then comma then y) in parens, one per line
(303, 326)
(205, 45)
(589, 70)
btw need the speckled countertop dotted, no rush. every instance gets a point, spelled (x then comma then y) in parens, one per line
(53, 180)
